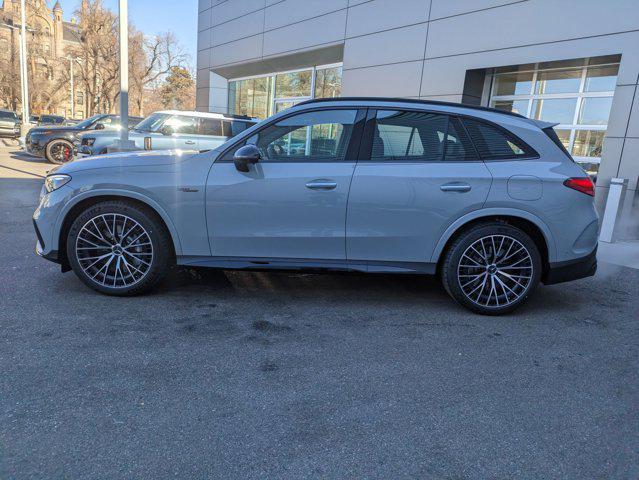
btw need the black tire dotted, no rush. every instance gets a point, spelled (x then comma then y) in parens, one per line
(495, 273)
(52, 154)
(160, 247)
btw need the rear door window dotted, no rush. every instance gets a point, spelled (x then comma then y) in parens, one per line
(406, 135)
(182, 124)
(211, 126)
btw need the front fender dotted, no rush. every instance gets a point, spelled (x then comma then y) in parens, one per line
(124, 194)
(494, 212)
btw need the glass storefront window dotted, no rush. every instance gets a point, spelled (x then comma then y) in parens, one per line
(293, 84)
(564, 136)
(517, 106)
(328, 82)
(518, 83)
(601, 79)
(261, 97)
(588, 143)
(558, 81)
(251, 97)
(576, 93)
(595, 111)
(560, 110)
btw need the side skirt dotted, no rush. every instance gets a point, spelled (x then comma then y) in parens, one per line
(247, 263)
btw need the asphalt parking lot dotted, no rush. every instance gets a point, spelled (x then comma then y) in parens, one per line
(278, 375)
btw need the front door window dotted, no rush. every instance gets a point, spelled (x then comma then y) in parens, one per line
(323, 135)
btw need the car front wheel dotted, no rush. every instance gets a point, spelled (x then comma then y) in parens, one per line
(491, 269)
(59, 151)
(119, 248)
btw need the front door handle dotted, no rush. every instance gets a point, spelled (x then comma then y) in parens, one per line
(455, 187)
(321, 185)
(190, 142)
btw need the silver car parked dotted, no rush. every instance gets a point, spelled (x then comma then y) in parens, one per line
(489, 201)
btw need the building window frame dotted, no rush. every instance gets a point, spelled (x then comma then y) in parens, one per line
(275, 100)
(581, 96)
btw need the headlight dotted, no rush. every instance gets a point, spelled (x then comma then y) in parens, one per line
(53, 182)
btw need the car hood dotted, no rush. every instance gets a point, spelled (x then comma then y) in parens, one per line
(111, 133)
(126, 160)
(52, 128)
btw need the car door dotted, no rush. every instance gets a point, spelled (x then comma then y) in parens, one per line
(177, 132)
(291, 204)
(211, 133)
(419, 173)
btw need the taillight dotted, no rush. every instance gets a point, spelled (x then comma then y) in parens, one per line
(581, 184)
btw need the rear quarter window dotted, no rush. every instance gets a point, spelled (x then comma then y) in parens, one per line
(494, 143)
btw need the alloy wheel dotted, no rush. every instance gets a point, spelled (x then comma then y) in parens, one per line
(495, 271)
(114, 250)
(61, 152)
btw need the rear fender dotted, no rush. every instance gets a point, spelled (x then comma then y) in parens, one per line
(495, 212)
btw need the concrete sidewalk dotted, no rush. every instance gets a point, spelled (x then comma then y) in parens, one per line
(620, 253)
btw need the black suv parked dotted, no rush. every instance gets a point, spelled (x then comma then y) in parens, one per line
(55, 143)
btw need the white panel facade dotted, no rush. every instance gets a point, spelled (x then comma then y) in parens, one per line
(424, 48)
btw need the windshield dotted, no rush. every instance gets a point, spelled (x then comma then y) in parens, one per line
(152, 123)
(87, 123)
(8, 115)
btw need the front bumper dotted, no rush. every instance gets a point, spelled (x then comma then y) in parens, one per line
(9, 132)
(46, 222)
(560, 272)
(84, 151)
(33, 147)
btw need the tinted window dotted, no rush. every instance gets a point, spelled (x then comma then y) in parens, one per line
(239, 127)
(402, 135)
(493, 143)
(315, 136)
(458, 146)
(183, 124)
(211, 126)
(8, 115)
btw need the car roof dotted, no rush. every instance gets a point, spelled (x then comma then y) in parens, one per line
(366, 101)
(191, 113)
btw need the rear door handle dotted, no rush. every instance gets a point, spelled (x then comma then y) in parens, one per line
(455, 187)
(321, 185)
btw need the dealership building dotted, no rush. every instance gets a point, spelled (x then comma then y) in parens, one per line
(572, 62)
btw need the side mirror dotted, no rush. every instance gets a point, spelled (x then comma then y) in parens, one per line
(167, 130)
(245, 156)
(100, 126)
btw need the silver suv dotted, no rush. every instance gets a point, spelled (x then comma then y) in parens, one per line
(489, 201)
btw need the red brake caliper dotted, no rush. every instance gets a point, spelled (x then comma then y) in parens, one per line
(67, 153)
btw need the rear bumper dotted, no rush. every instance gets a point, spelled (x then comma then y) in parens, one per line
(572, 269)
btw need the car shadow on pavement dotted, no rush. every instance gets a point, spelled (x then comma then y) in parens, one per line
(25, 157)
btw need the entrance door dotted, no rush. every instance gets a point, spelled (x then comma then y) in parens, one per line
(421, 175)
(292, 202)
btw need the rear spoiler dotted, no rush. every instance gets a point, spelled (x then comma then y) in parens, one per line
(543, 125)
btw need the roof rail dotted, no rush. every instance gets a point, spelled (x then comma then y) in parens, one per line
(238, 117)
(409, 100)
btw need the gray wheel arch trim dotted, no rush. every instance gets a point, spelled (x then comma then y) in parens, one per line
(124, 194)
(492, 212)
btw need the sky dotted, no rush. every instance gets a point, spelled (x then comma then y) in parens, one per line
(155, 16)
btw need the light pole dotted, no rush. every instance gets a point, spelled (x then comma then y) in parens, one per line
(124, 77)
(24, 82)
(23, 65)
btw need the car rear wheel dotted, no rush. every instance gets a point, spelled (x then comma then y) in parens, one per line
(119, 248)
(492, 268)
(59, 151)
